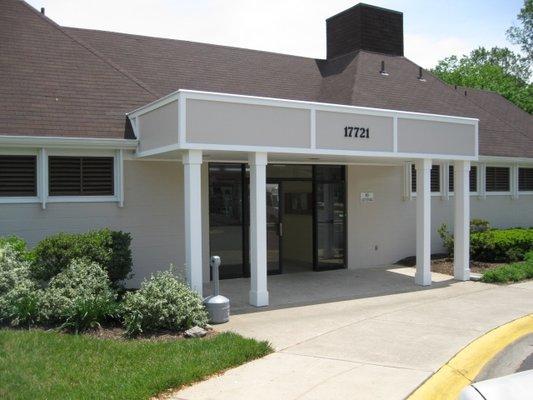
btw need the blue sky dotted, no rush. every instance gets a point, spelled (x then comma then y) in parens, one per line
(433, 29)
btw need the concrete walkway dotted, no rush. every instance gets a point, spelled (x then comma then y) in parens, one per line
(373, 347)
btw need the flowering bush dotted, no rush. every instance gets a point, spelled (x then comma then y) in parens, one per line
(80, 297)
(19, 294)
(164, 302)
(18, 245)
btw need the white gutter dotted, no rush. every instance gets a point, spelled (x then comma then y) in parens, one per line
(500, 159)
(67, 142)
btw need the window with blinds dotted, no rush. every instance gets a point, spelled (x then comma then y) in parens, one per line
(81, 176)
(497, 179)
(525, 179)
(473, 179)
(435, 178)
(18, 176)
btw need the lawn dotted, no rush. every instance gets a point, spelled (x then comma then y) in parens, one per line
(48, 365)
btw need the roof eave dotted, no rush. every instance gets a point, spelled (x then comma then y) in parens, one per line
(67, 142)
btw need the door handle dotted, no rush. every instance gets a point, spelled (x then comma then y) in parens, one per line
(281, 229)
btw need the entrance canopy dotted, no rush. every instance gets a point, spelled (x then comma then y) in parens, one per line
(207, 121)
(194, 126)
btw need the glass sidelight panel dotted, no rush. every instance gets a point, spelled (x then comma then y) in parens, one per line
(274, 227)
(330, 221)
(226, 217)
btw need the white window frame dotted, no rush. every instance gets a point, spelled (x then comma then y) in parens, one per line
(23, 199)
(117, 197)
(409, 180)
(512, 183)
(451, 193)
(43, 195)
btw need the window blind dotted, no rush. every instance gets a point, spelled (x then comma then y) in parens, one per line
(435, 178)
(81, 176)
(525, 179)
(18, 176)
(497, 179)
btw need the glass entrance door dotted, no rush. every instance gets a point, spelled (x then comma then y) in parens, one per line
(274, 227)
(330, 216)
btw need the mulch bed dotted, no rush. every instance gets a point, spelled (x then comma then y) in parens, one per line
(117, 333)
(442, 264)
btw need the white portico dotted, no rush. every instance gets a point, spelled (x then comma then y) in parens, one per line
(199, 126)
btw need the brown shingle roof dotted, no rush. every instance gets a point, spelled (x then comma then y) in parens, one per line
(52, 85)
(502, 108)
(97, 76)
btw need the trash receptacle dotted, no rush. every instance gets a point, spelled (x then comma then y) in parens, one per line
(217, 305)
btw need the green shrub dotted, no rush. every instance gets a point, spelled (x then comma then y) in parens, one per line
(476, 225)
(109, 249)
(447, 238)
(79, 297)
(18, 245)
(501, 245)
(511, 272)
(492, 245)
(164, 302)
(479, 225)
(19, 294)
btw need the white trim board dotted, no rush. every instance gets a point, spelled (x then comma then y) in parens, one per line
(67, 142)
(182, 96)
(297, 150)
(270, 101)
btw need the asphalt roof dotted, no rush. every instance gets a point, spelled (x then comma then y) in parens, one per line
(58, 81)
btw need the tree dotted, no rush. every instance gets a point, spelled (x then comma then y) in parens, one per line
(523, 35)
(497, 69)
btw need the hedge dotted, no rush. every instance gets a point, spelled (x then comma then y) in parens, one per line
(501, 245)
(492, 245)
(510, 273)
(110, 249)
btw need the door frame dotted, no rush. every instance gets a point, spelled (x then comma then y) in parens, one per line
(279, 181)
(281, 208)
(316, 265)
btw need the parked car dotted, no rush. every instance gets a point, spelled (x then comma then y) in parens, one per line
(517, 386)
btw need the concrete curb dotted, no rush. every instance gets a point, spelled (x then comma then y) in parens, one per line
(462, 369)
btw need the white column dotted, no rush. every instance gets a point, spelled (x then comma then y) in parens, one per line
(192, 164)
(423, 222)
(258, 239)
(461, 247)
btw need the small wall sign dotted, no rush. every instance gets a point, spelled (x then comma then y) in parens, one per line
(367, 197)
(357, 132)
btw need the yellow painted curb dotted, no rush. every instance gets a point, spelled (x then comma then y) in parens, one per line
(461, 369)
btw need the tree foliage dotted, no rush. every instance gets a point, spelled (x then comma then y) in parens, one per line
(497, 69)
(522, 35)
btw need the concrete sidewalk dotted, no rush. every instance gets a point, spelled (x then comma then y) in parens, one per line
(367, 348)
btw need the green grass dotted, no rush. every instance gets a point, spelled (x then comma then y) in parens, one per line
(511, 272)
(49, 365)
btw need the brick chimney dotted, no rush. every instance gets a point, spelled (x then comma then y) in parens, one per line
(365, 27)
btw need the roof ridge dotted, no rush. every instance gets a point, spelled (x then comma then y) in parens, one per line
(193, 42)
(448, 87)
(93, 51)
(493, 92)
